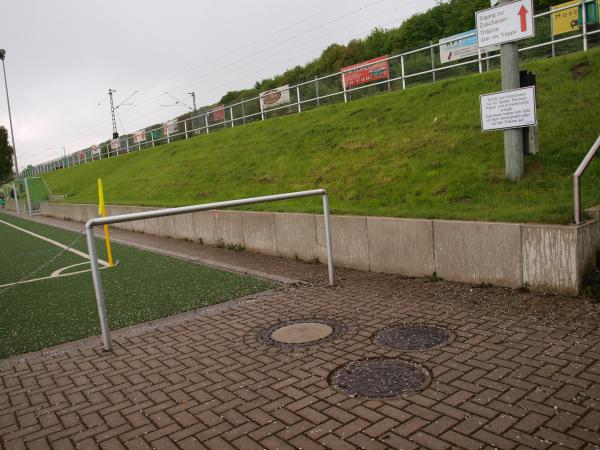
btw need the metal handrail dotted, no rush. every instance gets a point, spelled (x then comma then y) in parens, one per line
(576, 180)
(91, 243)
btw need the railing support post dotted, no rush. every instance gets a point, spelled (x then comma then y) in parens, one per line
(106, 338)
(317, 90)
(577, 199)
(584, 25)
(403, 72)
(432, 61)
(326, 222)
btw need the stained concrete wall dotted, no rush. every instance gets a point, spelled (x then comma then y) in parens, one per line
(401, 246)
(548, 258)
(479, 252)
(594, 213)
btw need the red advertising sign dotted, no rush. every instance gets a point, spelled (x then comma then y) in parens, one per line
(218, 114)
(366, 72)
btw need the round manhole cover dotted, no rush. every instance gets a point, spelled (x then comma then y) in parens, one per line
(380, 378)
(413, 337)
(301, 332)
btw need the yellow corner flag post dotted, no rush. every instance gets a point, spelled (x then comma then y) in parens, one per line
(102, 211)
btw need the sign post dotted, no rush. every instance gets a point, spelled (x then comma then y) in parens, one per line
(506, 24)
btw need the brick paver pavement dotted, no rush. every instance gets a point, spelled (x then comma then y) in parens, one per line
(522, 370)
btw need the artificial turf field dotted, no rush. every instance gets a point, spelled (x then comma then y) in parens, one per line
(144, 286)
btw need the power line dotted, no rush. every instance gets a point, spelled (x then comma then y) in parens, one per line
(224, 83)
(248, 56)
(89, 131)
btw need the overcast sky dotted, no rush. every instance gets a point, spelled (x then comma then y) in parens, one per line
(62, 56)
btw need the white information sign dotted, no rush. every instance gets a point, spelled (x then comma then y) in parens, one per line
(508, 109)
(507, 23)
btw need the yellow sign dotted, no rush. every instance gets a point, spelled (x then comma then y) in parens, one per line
(565, 21)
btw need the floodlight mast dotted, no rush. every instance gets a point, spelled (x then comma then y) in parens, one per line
(12, 133)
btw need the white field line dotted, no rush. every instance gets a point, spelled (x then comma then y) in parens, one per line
(55, 274)
(58, 272)
(58, 244)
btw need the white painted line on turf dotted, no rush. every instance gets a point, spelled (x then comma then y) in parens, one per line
(58, 244)
(58, 272)
(52, 276)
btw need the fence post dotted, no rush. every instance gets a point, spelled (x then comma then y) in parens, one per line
(206, 122)
(231, 115)
(344, 87)
(552, 36)
(584, 22)
(185, 128)
(403, 72)
(479, 59)
(168, 136)
(243, 112)
(432, 61)
(298, 98)
(262, 108)
(317, 90)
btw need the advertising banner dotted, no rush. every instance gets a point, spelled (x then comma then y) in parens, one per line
(275, 97)
(139, 136)
(565, 21)
(459, 46)
(170, 127)
(115, 144)
(569, 20)
(218, 114)
(366, 72)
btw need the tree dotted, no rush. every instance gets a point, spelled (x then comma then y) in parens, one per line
(6, 155)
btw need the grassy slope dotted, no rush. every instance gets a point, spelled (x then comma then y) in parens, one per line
(417, 153)
(144, 286)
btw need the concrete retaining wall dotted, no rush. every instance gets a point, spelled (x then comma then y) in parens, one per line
(549, 258)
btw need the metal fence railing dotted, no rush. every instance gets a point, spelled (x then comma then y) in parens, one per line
(407, 69)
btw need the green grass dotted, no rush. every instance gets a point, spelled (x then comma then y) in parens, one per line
(144, 286)
(413, 153)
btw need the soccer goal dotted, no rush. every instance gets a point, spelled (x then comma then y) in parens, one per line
(111, 220)
(26, 194)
